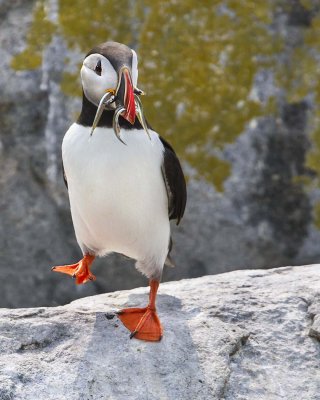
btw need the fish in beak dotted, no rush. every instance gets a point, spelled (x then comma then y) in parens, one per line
(126, 103)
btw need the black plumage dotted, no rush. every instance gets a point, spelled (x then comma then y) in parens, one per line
(175, 182)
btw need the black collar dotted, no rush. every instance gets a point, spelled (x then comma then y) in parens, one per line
(88, 113)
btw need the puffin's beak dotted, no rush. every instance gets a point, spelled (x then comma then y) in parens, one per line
(125, 95)
(127, 101)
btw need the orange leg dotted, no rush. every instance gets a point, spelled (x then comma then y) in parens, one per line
(80, 271)
(144, 323)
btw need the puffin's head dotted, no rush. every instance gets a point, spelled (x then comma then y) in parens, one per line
(111, 67)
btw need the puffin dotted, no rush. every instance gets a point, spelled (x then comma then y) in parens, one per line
(125, 182)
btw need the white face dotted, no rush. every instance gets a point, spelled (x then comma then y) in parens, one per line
(98, 76)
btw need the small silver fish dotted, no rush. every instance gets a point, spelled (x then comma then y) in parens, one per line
(115, 122)
(140, 115)
(106, 100)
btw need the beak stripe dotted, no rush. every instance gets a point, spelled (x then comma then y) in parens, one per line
(129, 103)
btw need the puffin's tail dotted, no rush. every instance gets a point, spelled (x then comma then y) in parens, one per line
(169, 262)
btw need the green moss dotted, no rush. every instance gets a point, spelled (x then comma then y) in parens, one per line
(70, 84)
(316, 212)
(211, 65)
(193, 58)
(313, 157)
(302, 180)
(38, 37)
(307, 4)
(85, 24)
(25, 61)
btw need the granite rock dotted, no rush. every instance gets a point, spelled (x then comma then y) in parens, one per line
(236, 336)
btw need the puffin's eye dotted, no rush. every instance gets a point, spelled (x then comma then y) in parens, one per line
(98, 68)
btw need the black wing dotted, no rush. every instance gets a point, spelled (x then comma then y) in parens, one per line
(64, 176)
(175, 182)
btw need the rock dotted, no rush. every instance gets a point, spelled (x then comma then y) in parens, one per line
(315, 328)
(240, 335)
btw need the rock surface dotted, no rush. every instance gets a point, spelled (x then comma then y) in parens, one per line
(240, 335)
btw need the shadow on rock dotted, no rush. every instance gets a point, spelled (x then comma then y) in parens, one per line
(120, 368)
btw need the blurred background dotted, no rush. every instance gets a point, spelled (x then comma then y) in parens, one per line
(232, 84)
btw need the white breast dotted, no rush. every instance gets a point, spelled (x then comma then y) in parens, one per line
(117, 195)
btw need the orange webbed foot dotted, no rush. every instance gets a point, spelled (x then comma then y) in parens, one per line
(143, 323)
(80, 271)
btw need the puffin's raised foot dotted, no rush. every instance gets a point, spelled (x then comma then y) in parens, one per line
(80, 271)
(143, 323)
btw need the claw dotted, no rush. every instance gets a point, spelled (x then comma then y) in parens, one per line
(132, 334)
(79, 271)
(106, 100)
(140, 115)
(115, 124)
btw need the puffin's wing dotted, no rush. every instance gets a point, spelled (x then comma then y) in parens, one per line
(64, 176)
(175, 182)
